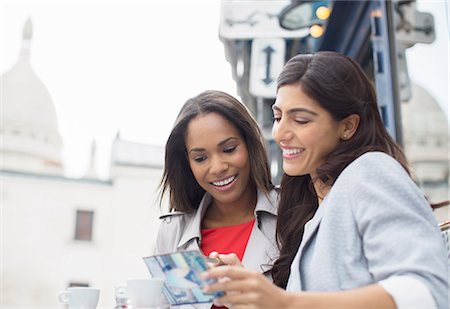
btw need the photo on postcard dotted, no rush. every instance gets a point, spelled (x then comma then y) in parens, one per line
(181, 271)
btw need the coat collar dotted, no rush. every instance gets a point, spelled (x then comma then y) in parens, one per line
(194, 222)
(260, 252)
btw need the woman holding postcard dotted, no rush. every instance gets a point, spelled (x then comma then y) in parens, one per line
(354, 229)
(217, 176)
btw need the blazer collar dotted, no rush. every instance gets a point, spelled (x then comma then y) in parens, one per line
(311, 227)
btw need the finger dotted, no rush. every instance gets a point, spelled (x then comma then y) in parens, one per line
(212, 260)
(231, 286)
(232, 272)
(230, 259)
(239, 299)
(214, 254)
(217, 303)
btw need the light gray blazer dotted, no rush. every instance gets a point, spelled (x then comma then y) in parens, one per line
(374, 224)
(180, 231)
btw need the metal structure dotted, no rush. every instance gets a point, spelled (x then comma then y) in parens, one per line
(263, 35)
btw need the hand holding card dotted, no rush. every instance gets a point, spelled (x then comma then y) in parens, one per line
(181, 271)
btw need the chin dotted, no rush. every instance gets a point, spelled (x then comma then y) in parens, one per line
(293, 171)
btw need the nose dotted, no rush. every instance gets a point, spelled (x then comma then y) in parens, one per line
(281, 132)
(218, 165)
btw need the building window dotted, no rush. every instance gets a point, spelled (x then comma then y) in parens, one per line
(78, 284)
(83, 229)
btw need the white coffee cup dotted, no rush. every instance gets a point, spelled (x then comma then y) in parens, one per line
(80, 297)
(145, 293)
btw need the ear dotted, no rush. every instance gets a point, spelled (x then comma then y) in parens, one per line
(348, 126)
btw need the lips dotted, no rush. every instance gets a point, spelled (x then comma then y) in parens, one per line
(224, 182)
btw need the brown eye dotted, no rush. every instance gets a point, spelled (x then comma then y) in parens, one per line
(230, 149)
(302, 121)
(199, 158)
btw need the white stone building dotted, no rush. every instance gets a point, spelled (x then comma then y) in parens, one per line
(426, 143)
(58, 231)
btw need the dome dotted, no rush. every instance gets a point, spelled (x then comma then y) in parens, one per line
(425, 127)
(29, 126)
(426, 141)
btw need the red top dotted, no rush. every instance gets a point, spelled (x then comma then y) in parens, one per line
(227, 239)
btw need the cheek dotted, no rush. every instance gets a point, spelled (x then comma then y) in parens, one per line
(196, 171)
(328, 142)
(242, 160)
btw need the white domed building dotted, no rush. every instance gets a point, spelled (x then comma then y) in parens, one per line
(426, 143)
(59, 231)
(29, 126)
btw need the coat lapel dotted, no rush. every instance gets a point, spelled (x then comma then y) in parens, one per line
(260, 252)
(192, 231)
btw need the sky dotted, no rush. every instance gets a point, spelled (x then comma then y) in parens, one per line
(127, 66)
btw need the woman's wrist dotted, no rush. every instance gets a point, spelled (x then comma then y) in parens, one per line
(288, 300)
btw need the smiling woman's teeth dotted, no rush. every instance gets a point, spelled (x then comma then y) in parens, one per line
(224, 182)
(291, 151)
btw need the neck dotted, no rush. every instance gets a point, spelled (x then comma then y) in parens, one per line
(221, 214)
(321, 190)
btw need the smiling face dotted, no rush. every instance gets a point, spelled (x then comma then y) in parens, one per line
(218, 157)
(305, 132)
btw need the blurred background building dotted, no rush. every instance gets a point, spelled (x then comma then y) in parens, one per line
(59, 231)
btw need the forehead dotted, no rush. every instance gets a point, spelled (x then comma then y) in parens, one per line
(209, 129)
(293, 96)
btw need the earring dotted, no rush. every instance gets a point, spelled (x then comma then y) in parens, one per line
(344, 137)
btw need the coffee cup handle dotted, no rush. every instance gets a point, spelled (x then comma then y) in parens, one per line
(64, 297)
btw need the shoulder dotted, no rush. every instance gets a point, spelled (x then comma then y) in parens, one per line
(174, 220)
(376, 159)
(172, 223)
(373, 166)
(170, 215)
(171, 230)
(377, 179)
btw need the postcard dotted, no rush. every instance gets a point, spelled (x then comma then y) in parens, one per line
(181, 271)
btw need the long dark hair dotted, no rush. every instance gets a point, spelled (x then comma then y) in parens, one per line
(184, 191)
(340, 86)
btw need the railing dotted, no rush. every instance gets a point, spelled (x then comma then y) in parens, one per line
(445, 228)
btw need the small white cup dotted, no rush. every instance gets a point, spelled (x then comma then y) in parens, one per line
(145, 293)
(80, 297)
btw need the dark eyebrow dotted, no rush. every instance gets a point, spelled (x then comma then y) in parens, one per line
(295, 110)
(227, 140)
(220, 144)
